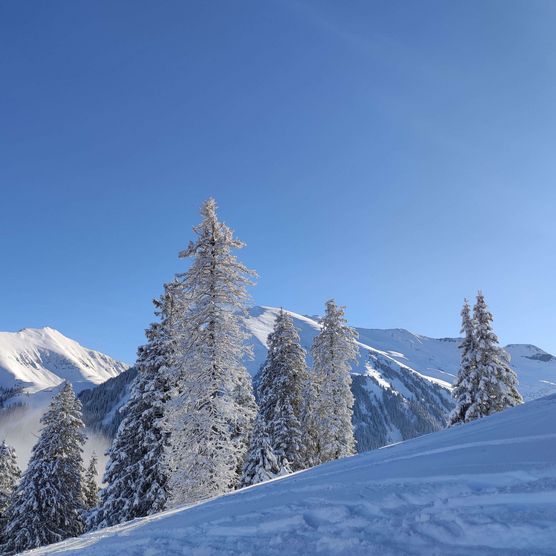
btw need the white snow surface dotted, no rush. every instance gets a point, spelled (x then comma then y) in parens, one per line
(488, 488)
(40, 358)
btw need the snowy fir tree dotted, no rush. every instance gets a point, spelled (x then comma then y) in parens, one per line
(90, 485)
(136, 474)
(497, 389)
(280, 390)
(261, 463)
(334, 348)
(9, 477)
(466, 384)
(486, 383)
(211, 419)
(48, 503)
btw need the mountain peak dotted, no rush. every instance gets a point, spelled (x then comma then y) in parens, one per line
(39, 358)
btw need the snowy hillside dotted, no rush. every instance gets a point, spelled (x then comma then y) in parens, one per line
(39, 358)
(440, 358)
(486, 488)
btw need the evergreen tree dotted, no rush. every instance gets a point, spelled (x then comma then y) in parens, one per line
(467, 382)
(48, 503)
(90, 486)
(9, 477)
(136, 472)
(261, 463)
(211, 419)
(497, 382)
(332, 409)
(280, 390)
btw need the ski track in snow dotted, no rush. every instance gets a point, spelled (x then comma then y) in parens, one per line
(485, 488)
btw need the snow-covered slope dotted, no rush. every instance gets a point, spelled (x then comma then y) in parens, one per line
(39, 358)
(440, 358)
(485, 488)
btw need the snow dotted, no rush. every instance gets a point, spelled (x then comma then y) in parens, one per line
(488, 487)
(40, 358)
(373, 373)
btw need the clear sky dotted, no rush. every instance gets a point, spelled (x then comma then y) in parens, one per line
(395, 155)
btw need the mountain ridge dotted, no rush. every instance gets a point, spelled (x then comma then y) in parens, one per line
(35, 359)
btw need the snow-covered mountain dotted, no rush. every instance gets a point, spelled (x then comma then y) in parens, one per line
(440, 358)
(33, 364)
(39, 358)
(488, 487)
(401, 381)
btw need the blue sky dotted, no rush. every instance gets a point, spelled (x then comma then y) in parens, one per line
(394, 155)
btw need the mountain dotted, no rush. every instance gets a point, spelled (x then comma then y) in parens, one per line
(392, 401)
(401, 381)
(488, 487)
(37, 358)
(440, 358)
(102, 404)
(33, 364)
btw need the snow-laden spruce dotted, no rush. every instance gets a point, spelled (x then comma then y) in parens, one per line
(330, 404)
(466, 384)
(211, 419)
(280, 393)
(90, 484)
(48, 503)
(9, 477)
(136, 474)
(497, 381)
(486, 383)
(262, 463)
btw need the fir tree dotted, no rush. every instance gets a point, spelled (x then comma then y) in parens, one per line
(136, 472)
(48, 503)
(90, 486)
(261, 463)
(9, 477)
(211, 419)
(332, 408)
(280, 390)
(497, 382)
(467, 383)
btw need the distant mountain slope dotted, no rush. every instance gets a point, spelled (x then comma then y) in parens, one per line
(440, 358)
(102, 404)
(39, 358)
(488, 487)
